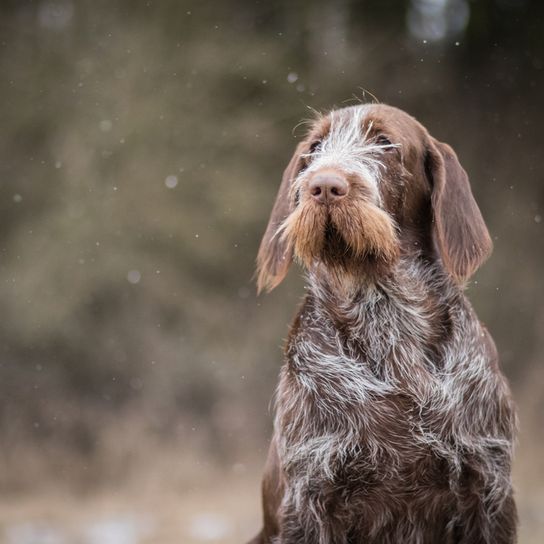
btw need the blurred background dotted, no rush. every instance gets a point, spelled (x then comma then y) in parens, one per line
(141, 147)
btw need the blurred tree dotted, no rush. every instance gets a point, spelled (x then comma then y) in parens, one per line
(142, 146)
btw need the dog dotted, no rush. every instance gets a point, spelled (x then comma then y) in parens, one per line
(393, 422)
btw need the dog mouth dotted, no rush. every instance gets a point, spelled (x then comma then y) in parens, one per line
(335, 247)
(352, 233)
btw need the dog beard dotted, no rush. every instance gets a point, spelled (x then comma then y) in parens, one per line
(353, 232)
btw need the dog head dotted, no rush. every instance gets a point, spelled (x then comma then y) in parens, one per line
(367, 186)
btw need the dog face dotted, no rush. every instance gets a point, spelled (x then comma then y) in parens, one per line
(367, 186)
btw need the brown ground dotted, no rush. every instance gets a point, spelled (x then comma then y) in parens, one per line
(225, 511)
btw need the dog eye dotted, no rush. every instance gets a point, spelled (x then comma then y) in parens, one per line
(383, 140)
(314, 146)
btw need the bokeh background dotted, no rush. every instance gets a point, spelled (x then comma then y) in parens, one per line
(141, 146)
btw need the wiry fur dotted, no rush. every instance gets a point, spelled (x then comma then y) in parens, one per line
(357, 411)
(346, 147)
(362, 224)
(393, 422)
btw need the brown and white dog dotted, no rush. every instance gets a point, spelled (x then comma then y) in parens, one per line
(393, 421)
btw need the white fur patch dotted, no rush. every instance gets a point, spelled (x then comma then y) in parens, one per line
(348, 147)
(338, 392)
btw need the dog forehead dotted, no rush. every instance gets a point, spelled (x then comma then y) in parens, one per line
(380, 117)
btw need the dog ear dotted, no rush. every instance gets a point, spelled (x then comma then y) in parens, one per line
(274, 255)
(459, 230)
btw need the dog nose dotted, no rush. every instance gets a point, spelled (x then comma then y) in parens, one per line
(327, 188)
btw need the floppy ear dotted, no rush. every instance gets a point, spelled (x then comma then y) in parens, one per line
(459, 231)
(274, 256)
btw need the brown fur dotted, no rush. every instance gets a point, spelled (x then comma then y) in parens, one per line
(393, 420)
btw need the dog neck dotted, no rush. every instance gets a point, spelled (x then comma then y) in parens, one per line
(346, 286)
